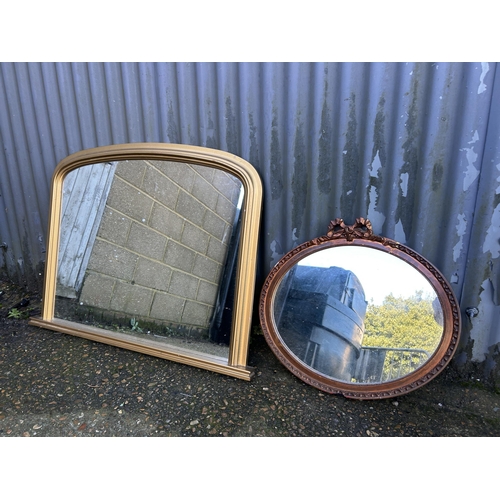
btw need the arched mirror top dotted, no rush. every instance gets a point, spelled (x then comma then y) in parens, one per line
(182, 153)
(357, 314)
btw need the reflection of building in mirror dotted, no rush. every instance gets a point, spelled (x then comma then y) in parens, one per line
(160, 246)
(324, 319)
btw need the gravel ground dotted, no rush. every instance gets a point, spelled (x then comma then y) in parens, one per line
(57, 385)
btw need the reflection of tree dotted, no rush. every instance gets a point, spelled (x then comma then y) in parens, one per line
(403, 323)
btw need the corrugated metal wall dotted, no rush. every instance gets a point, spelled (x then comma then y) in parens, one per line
(413, 146)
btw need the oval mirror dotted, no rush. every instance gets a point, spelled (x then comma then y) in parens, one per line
(145, 251)
(356, 314)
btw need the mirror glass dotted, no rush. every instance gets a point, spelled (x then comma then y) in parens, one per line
(149, 248)
(358, 314)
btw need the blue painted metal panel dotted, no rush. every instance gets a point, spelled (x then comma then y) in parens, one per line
(410, 145)
(481, 294)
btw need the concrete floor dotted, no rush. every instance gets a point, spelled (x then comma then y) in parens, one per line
(54, 384)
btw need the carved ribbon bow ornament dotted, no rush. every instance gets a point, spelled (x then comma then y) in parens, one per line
(362, 228)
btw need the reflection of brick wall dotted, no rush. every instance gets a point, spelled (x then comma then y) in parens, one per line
(162, 242)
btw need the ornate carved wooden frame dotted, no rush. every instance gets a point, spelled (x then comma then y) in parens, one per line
(235, 365)
(361, 234)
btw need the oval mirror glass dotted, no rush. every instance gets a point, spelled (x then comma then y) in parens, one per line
(360, 315)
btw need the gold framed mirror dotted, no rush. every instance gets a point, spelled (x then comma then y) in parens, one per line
(152, 247)
(360, 315)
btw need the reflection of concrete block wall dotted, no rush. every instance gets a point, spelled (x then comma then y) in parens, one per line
(162, 243)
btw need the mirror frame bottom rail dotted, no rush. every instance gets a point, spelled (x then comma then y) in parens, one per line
(235, 364)
(149, 347)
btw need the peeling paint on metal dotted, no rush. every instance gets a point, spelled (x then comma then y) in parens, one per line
(497, 190)
(325, 159)
(404, 183)
(375, 166)
(437, 175)
(471, 156)
(461, 228)
(411, 164)
(485, 67)
(210, 141)
(475, 138)
(300, 179)
(350, 161)
(377, 218)
(482, 328)
(276, 253)
(399, 233)
(172, 131)
(492, 239)
(254, 149)
(231, 128)
(276, 166)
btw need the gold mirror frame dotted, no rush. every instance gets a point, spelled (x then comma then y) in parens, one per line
(361, 234)
(236, 363)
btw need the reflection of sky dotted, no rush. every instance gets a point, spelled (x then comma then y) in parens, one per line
(379, 272)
